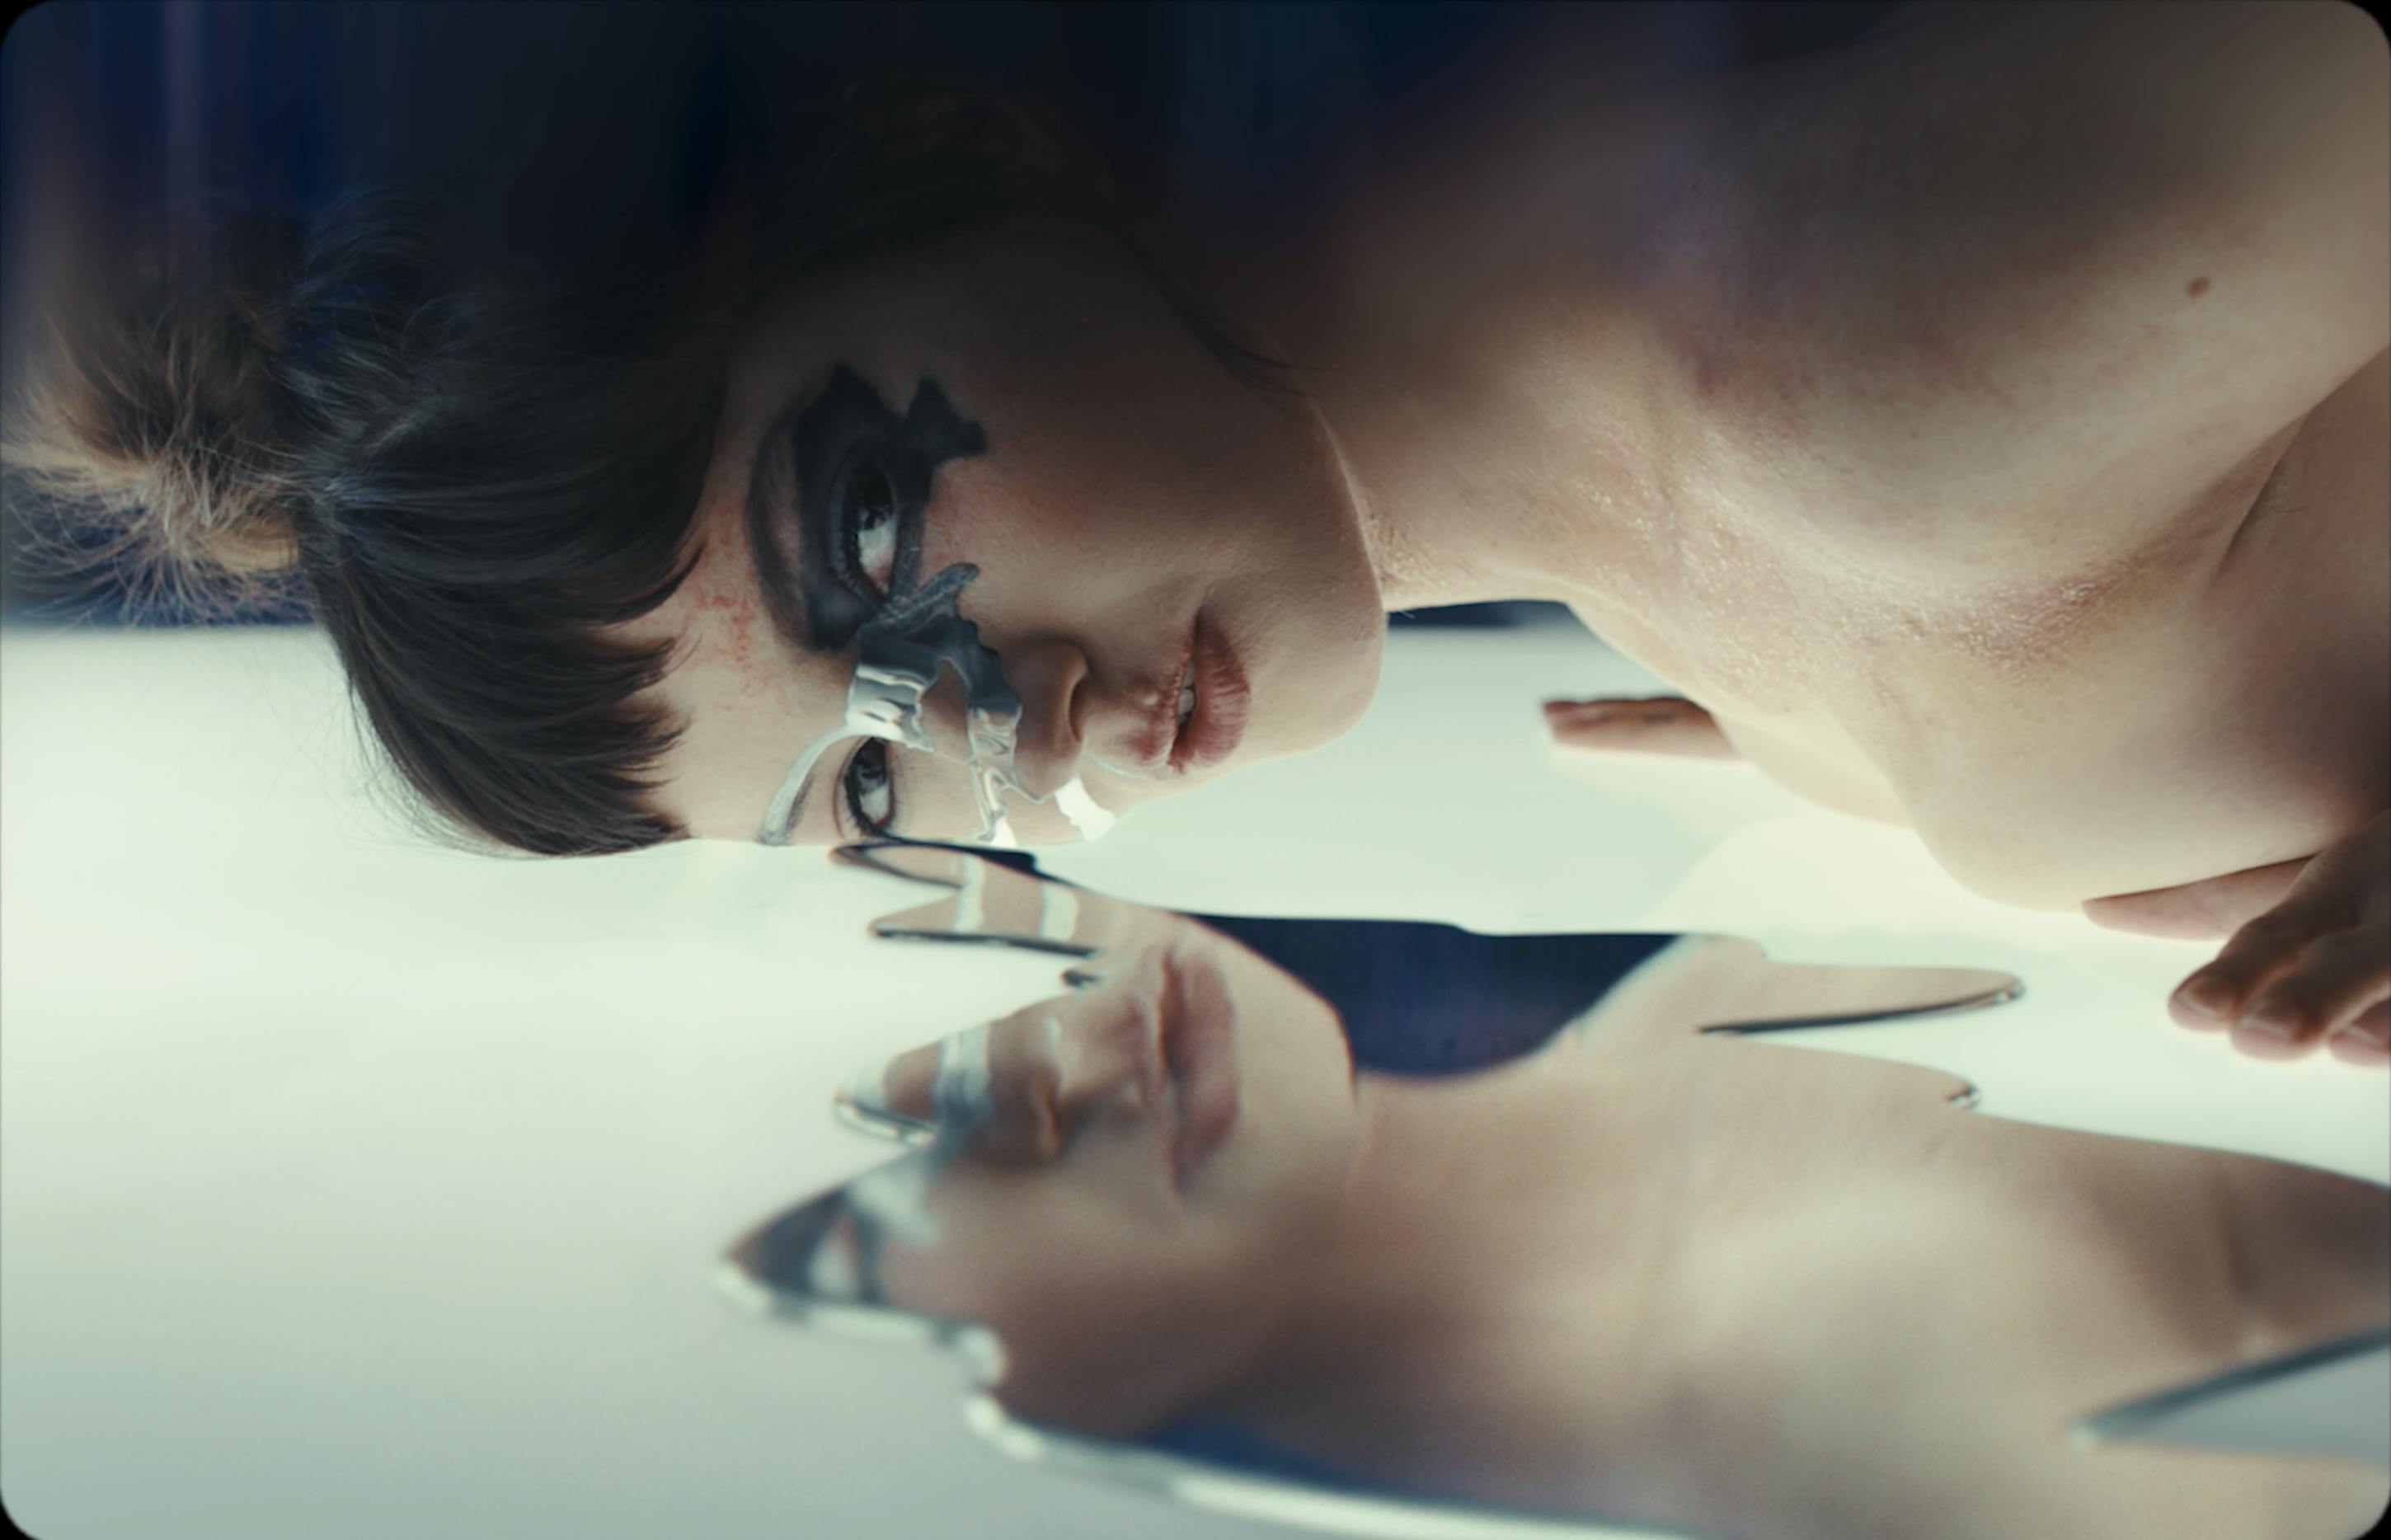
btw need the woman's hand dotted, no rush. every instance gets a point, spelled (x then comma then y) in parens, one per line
(2310, 961)
(1663, 724)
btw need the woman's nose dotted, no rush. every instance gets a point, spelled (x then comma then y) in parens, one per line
(1046, 675)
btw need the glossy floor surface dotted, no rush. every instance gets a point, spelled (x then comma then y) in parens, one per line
(355, 1186)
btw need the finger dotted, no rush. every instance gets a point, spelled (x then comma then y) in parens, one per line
(2328, 895)
(2197, 910)
(2211, 999)
(2335, 978)
(2367, 1039)
(1663, 725)
(1649, 708)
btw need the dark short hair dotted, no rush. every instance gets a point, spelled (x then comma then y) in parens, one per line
(464, 475)
(468, 471)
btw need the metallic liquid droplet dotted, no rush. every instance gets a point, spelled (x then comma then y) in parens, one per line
(900, 654)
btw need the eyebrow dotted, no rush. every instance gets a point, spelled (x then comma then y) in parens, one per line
(773, 488)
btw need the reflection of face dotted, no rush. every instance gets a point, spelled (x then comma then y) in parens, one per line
(1153, 1171)
(1025, 401)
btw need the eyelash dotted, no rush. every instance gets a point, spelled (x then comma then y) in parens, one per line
(848, 787)
(865, 468)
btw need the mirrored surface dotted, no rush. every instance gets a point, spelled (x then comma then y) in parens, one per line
(1397, 1229)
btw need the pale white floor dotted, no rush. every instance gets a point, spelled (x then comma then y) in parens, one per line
(352, 1186)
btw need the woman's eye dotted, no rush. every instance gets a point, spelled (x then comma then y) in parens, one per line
(870, 795)
(870, 529)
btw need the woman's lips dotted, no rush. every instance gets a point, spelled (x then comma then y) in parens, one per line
(1150, 748)
(1162, 748)
(1223, 700)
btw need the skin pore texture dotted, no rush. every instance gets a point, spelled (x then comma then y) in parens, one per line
(2021, 478)
(1592, 1280)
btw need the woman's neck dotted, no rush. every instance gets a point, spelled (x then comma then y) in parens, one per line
(1478, 330)
(1521, 479)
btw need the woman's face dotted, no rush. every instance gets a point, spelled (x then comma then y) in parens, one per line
(1022, 399)
(1148, 1165)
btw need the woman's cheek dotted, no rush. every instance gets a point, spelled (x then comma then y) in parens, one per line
(1024, 540)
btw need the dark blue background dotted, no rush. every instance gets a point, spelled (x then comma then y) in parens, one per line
(558, 126)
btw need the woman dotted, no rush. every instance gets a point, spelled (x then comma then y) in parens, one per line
(1645, 1274)
(2017, 475)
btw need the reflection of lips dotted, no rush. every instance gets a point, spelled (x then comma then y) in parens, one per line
(1222, 699)
(1199, 1052)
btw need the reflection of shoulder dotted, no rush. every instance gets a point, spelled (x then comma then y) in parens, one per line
(1852, 1341)
(2311, 1250)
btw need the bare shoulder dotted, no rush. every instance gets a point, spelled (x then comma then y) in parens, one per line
(2016, 283)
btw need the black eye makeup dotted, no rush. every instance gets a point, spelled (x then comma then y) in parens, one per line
(864, 478)
(844, 486)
